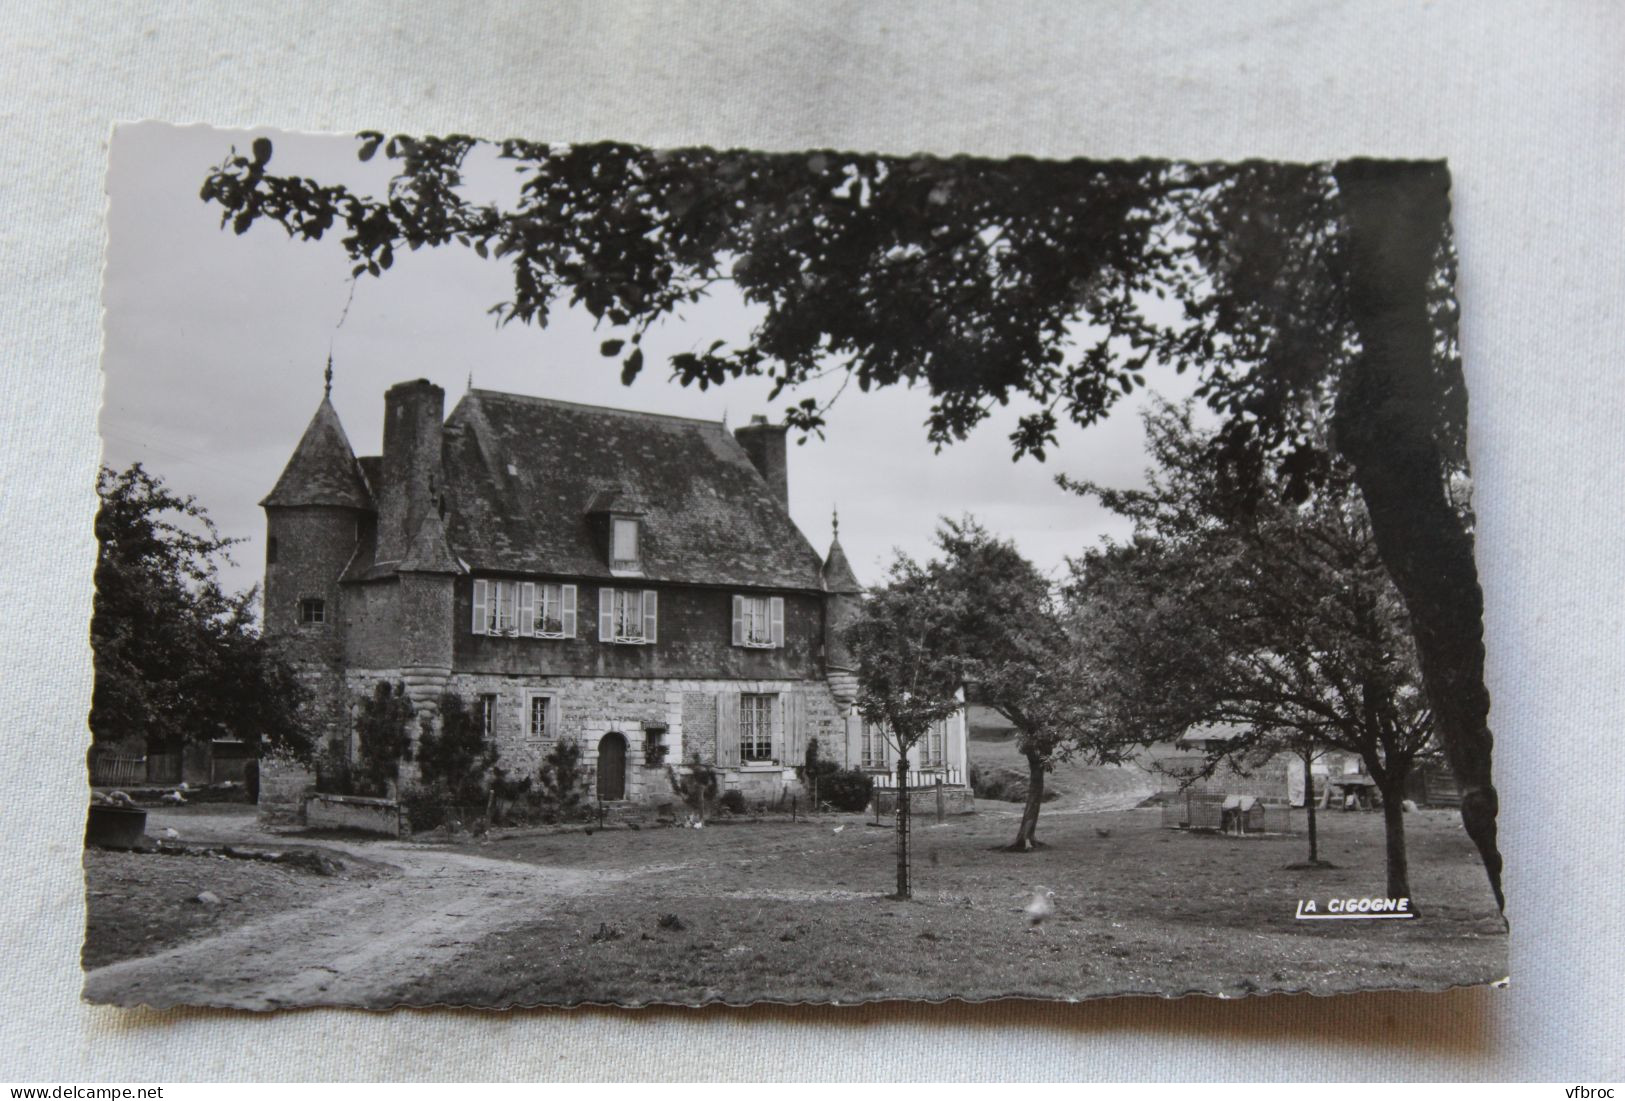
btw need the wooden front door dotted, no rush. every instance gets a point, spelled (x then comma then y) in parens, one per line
(612, 767)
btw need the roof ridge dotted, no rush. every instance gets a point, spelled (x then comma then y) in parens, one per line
(537, 399)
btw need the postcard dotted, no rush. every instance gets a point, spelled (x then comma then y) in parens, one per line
(540, 574)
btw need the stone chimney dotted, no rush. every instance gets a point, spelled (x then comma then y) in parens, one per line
(410, 473)
(765, 444)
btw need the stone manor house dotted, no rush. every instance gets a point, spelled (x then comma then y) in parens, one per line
(630, 580)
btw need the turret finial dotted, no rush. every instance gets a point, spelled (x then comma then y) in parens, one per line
(470, 380)
(834, 522)
(327, 378)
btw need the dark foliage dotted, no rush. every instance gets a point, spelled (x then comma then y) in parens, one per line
(695, 784)
(459, 758)
(559, 791)
(383, 737)
(177, 658)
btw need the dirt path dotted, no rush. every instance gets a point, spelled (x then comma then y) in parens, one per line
(358, 947)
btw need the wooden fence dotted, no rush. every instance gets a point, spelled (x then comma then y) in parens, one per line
(108, 770)
(925, 778)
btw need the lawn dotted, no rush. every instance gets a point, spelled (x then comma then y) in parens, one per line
(794, 912)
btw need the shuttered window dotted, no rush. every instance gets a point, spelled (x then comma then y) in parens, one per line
(758, 621)
(756, 727)
(526, 609)
(555, 611)
(629, 616)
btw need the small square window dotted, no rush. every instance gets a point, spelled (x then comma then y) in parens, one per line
(312, 610)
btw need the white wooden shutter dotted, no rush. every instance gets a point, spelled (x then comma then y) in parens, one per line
(568, 615)
(854, 739)
(776, 617)
(649, 615)
(527, 608)
(479, 606)
(727, 728)
(606, 615)
(795, 728)
(739, 621)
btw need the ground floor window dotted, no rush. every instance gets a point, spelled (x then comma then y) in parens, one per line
(756, 727)
(874, 746)
(487, 714)
(931, 745)
(541, 717)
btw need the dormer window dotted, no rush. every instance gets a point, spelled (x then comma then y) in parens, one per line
(623, 543)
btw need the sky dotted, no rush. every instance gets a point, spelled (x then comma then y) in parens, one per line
(216, 346)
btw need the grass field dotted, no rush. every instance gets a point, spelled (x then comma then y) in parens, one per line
(779, 911)
(793, 913)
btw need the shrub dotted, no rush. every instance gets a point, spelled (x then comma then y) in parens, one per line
(697, 787)
(425, 807)
(733, 801)
(558, 788)
(460, 756)
(508, 794)
(846, 789)
(382, 741)
(336, 774)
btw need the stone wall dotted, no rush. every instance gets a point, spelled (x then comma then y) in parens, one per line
(284, 784)
(680, 714)
(922, 802)
(355, 812)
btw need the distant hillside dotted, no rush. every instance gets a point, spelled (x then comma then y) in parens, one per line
(1075, 786)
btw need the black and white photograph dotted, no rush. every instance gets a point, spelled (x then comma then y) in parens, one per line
(545, 574)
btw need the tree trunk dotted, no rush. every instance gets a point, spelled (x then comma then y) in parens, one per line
(1386, 425)
(1393, 820)
(1309, 809)
(904, 889)
(1026, 833)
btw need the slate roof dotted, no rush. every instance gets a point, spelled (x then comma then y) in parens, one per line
(524, 474)
(837, 573)
(323, 469)
(429, 552)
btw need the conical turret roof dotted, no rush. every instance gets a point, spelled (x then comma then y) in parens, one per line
(837, 575)
(429, 552)
(323, 470)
